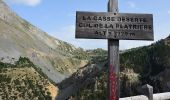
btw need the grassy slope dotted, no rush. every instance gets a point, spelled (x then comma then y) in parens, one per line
(24, 81)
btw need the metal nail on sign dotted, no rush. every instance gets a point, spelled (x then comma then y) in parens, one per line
(109, 25)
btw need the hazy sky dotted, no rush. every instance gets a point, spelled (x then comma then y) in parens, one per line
(57, 17)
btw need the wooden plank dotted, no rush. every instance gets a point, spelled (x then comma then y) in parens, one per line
(162, 96)
(113, 57)
(140, 97)
(158, 96)
(123, 26)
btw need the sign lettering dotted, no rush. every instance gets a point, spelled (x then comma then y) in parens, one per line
(123, 26)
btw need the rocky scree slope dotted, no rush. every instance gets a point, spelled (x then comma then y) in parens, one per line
(18, 37)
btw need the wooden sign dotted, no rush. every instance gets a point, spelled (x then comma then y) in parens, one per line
(109, 25)
(114, 26)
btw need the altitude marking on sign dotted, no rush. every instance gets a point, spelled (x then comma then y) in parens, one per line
(114, 26)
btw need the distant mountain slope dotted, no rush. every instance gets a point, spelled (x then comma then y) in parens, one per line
(23, 81)
(139, 66)
(18, 37)
(84, 77)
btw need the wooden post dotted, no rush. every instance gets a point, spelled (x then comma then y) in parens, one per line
(113, 56)
(147, 90)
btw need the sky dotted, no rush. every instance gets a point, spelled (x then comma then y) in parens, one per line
(57, 18)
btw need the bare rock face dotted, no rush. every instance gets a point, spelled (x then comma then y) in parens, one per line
(5, 12)
(19, 38)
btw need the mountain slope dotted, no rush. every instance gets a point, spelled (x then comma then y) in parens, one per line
(18, 38)
(139, 66)
(23, 81)
(84, 77)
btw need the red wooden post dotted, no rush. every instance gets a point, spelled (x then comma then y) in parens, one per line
(113, 54)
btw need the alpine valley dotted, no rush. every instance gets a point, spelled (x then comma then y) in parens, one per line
(37, 66)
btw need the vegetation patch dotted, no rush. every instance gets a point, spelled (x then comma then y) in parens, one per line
(23, 81)
(139, 66)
